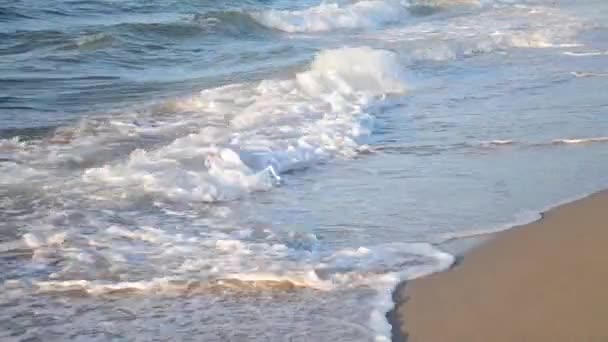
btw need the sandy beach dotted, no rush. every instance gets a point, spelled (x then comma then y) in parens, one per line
(544, 281)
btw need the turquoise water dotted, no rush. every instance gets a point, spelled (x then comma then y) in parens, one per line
(270, 170)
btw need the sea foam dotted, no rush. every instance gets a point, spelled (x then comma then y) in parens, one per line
(270, 128)
(350, 14)
(329, 16)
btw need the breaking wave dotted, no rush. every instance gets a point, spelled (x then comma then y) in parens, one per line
(141, 201)
(335, 15)
(580, 141)
(269, 128)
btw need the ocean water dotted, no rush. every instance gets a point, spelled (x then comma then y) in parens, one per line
(263, 170)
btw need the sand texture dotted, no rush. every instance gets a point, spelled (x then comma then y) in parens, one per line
(545, 281)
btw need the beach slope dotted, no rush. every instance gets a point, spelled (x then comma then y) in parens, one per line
(545, 281)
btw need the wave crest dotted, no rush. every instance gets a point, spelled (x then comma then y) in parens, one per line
(333, 16)
(345, 14)
(270, 128)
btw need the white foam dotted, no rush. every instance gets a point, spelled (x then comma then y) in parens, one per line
(538, 39)
(498, 142)
(351, 71)
(228, 245)
(31, 240)
(586, 54)
(146, 234)
(12, 144)
(378, 267)
(499, 29)
(581, 140)
(547, 143)
(349, 14)
(304, 278)
(35, 241)
(177, 285)
(12, 173)
(582, 74)
(94, 288)
(329, 16)
(91, 39)
(385, 283)
(270, 128)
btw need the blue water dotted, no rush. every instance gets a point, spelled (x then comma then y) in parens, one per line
(271, 170)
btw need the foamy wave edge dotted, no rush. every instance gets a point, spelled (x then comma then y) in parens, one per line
(321, 113)
(364, 14)
(580, 141)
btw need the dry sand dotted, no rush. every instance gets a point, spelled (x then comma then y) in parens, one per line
(545, 281)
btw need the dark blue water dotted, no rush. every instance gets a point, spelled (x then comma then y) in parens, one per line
(65, 59)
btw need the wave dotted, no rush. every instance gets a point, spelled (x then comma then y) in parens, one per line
(225, 142)
(304, 267)
(425, 150)
(335, 15)
(153, 33)
(25, 133)
(269, 128)
(89, 41)
(167, 30)
(583, 74)
(462, 37)
(226, 23)
(165, 286)
(580, 141)
(24, 41)
(498, 42)
(332, 16)
(234, 23)
(500, 142)
(8, 14)
(92, 39)
(554, 142)
(585, 54)
(379, 268)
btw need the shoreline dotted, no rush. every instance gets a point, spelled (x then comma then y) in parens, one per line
(524, 278)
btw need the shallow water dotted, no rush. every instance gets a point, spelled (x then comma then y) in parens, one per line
(269, 171)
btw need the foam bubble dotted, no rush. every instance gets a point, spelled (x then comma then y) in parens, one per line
(352, 70)
(351, 14)
(31, 240)
(498, 142)
(435, 260)
(329, 16)
(228, 245)
(91, 40)
(585, 54)
(146, 234)
(12, 144)
(269, 128)
(582, 74)
(163, 286)
(580, 141)
(12, 173)
(530, 27)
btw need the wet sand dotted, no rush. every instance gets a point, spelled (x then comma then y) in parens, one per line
(545, 281)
